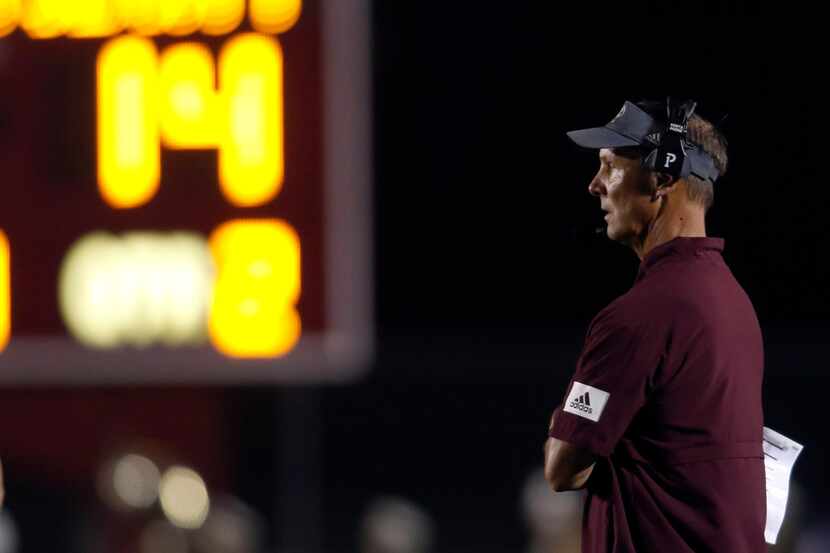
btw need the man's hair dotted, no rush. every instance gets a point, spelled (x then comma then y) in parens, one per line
(705, 136)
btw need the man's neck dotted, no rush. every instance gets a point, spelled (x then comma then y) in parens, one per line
(686, 221)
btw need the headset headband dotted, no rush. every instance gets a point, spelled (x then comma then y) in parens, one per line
(666, 146)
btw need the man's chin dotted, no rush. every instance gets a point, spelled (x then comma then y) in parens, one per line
(617, 235)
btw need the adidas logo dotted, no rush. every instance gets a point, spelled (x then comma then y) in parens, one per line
(586, 401)
(582, 403)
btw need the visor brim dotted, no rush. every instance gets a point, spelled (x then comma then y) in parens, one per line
(601, 137)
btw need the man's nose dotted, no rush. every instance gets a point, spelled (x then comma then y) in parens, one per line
(595, 187)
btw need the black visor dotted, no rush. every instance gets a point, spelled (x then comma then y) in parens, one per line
(631, 127)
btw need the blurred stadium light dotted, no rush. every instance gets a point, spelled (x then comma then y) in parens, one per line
(184, 497)
(231, 527)
(553, 520)
(135, 480)
(396, 525)
(9, 534)
(160, 536)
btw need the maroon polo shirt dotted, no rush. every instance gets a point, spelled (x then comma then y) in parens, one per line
(667, 395)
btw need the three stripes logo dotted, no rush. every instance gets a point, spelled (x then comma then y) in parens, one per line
(586, 401)
(582, 403)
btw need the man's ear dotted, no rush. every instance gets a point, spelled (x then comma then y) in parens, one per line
(664, 180)
(661, 184)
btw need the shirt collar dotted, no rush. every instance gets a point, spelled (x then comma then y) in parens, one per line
(678, 247)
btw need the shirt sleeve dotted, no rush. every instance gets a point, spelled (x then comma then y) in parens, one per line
(611, 383)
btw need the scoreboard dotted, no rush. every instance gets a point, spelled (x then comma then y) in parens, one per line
(186, 191)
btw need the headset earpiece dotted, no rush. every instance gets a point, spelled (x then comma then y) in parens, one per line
(671, 153)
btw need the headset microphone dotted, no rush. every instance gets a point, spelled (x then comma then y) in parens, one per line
(586, 232)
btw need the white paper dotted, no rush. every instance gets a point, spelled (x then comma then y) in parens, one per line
(780, 454)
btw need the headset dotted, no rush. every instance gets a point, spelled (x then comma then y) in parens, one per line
(665, 146)
(675, 154)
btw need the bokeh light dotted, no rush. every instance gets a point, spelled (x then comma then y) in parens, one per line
(184, 497)
(162, 537)
(135, 480)
(231, 526)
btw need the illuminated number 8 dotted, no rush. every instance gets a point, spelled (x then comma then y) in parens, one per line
(253, 312)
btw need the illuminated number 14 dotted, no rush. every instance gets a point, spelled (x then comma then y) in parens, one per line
(144, 99)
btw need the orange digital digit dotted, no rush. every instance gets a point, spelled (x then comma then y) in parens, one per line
(90, 18)
(129, 157)
(10, 13)
(187, 97)
(253, 313)
(5, 291)
(143, 98)
(223, 16)
(43, 18)
(274, 16)
(182, 17)
(251, 163)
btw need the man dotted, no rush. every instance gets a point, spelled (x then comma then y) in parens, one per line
(662, 422)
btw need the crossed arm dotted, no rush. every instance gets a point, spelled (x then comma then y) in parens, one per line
(567, 467)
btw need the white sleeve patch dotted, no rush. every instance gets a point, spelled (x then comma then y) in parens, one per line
(586, 401)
